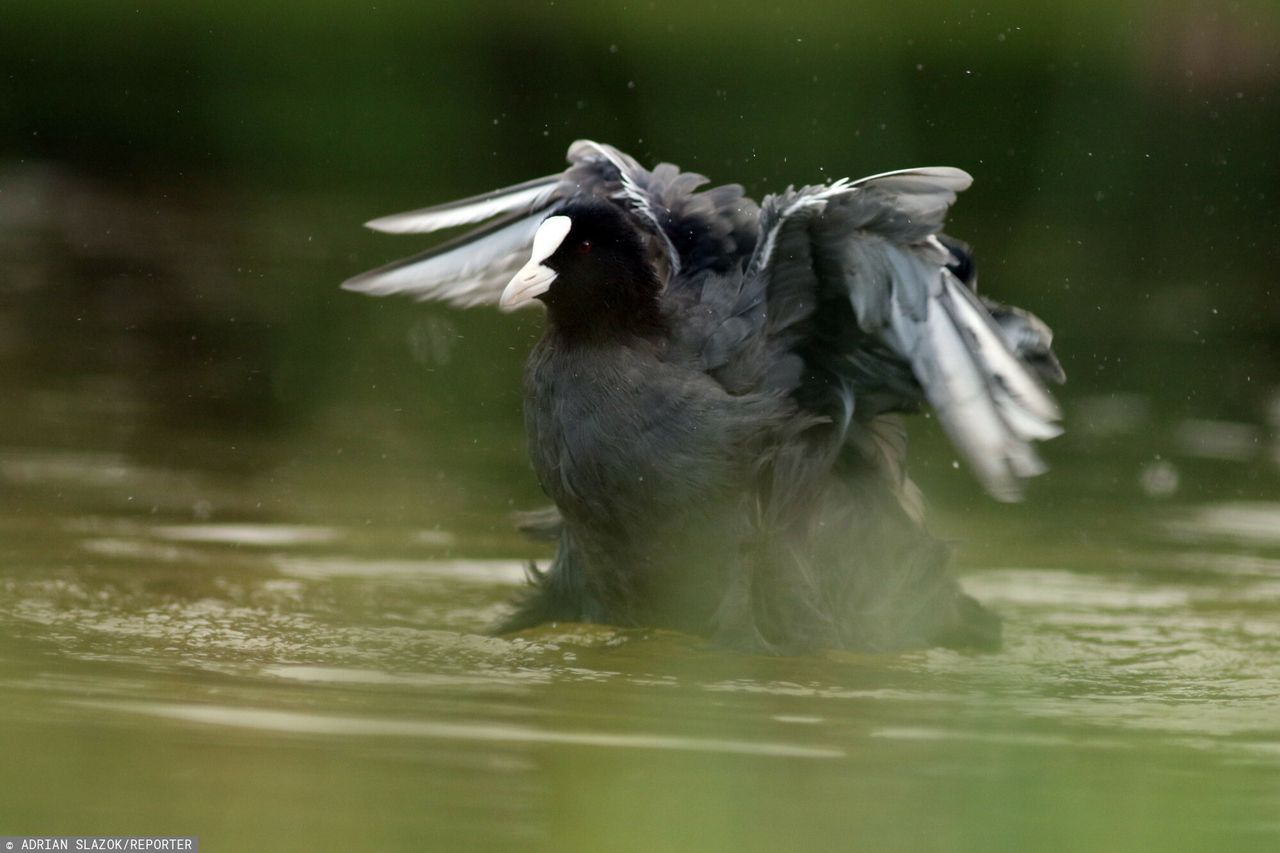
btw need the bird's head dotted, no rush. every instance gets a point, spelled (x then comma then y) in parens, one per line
(589, 263)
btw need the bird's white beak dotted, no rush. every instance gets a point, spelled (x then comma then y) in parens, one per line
(532, 281)
(535, 278)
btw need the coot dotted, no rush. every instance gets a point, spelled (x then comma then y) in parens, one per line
(715, 405)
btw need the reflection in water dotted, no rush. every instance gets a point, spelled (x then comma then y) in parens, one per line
(477, 571)
(1244, 523)
(1168, 653)
(267, 535)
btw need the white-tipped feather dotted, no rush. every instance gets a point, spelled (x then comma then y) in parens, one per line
(1022, 422)
(987, 402)
(528, 196)
(995, 352)
(936, 187)
(926, 179)
(954, 387)
(811, 199)
(471, 273)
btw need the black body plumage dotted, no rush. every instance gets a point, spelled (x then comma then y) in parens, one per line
(714, 407)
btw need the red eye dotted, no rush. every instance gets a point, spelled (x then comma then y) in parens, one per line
(584, 247)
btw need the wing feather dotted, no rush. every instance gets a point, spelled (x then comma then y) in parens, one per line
(689, 230)
(875, 241)
(467, 271)
(521, 198)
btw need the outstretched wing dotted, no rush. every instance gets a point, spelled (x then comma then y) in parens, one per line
(470, 269)
(466, 271)
(688, 229)
(872, 246)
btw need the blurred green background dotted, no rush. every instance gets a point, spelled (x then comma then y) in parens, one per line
(183, 186)
(250, 525)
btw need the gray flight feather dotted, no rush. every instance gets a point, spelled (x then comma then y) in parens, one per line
(689, 230)
(471, 270)
(876, 241)
(522, 198)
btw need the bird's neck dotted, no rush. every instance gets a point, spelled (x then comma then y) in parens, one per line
(609, 313)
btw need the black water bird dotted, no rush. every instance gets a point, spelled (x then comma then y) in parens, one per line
(715, 404)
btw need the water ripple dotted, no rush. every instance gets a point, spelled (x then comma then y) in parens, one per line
(321, 724)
